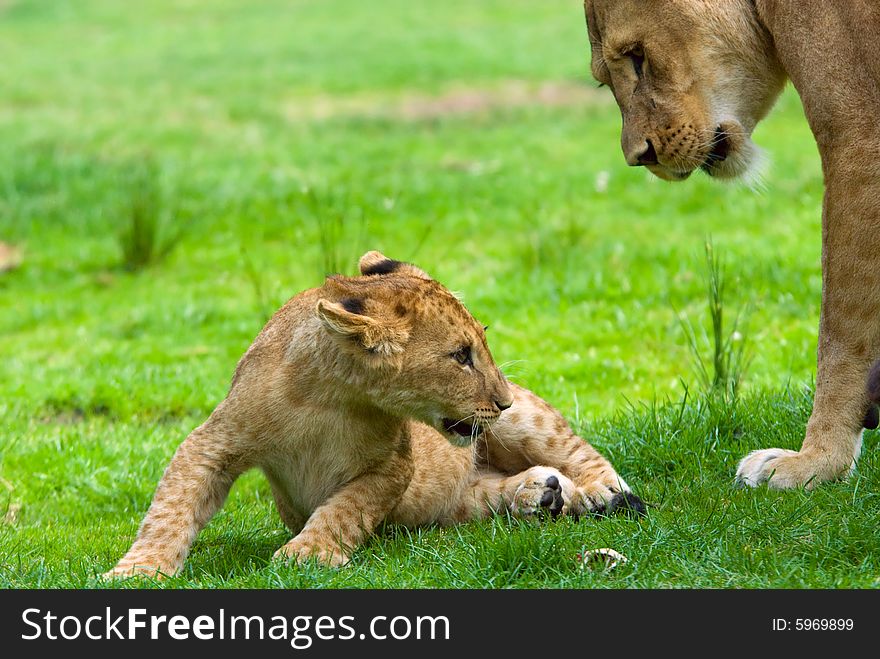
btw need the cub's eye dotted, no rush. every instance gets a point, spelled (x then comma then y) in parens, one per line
(463, 356)
(637, 57)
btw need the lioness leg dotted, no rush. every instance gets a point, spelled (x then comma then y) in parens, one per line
(192, 489)
(532, 432)
(342, 523)
(849, 340)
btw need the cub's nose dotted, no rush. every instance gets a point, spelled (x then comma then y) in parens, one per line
(504, 406)
(643, 154)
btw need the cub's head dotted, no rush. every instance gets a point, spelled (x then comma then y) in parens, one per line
(692, 78)
(415, 347)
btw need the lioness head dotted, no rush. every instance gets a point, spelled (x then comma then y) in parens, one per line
(423, 353)
(692, 78)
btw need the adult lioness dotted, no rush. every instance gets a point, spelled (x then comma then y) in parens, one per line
(692, 78)
(372, 398)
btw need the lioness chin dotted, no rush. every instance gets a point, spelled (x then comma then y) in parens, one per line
(692, 78)
(373, 398)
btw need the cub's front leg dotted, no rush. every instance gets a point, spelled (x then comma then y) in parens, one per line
(345, 520)
(192, 489)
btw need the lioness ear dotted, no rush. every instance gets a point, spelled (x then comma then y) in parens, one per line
(597, 60)
(347, 320)
(376, 263)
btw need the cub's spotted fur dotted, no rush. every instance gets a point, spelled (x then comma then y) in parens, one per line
(367, 399)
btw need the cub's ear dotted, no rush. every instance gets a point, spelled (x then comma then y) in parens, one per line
(376, 263)
(347, 320)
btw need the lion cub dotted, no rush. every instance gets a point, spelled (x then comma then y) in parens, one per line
(373, 398)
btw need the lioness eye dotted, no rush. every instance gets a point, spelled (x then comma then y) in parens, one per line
(637, 57)
(463, 356)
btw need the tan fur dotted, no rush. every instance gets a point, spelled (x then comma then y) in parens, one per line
(712, 69)
(341, 401)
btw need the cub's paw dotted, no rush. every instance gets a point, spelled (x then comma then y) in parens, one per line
(543, 490)
(301, 550)
(131, 570)
(625, 503)
(602, 499)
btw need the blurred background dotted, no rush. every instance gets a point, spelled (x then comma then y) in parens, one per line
(171, 171)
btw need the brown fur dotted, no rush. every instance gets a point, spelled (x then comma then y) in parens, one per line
(341, 401)
(712, 69)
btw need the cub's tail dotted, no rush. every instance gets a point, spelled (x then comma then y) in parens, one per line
(872, 416)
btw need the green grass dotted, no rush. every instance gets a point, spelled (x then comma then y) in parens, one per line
(282, 150)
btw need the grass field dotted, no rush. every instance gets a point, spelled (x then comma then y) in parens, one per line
(277, 140)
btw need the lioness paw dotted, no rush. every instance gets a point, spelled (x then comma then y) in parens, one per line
(543, 490)
(780, 468)
(300, 551)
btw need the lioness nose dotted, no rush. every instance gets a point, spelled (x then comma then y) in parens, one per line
(503, 406)
(642, 155)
